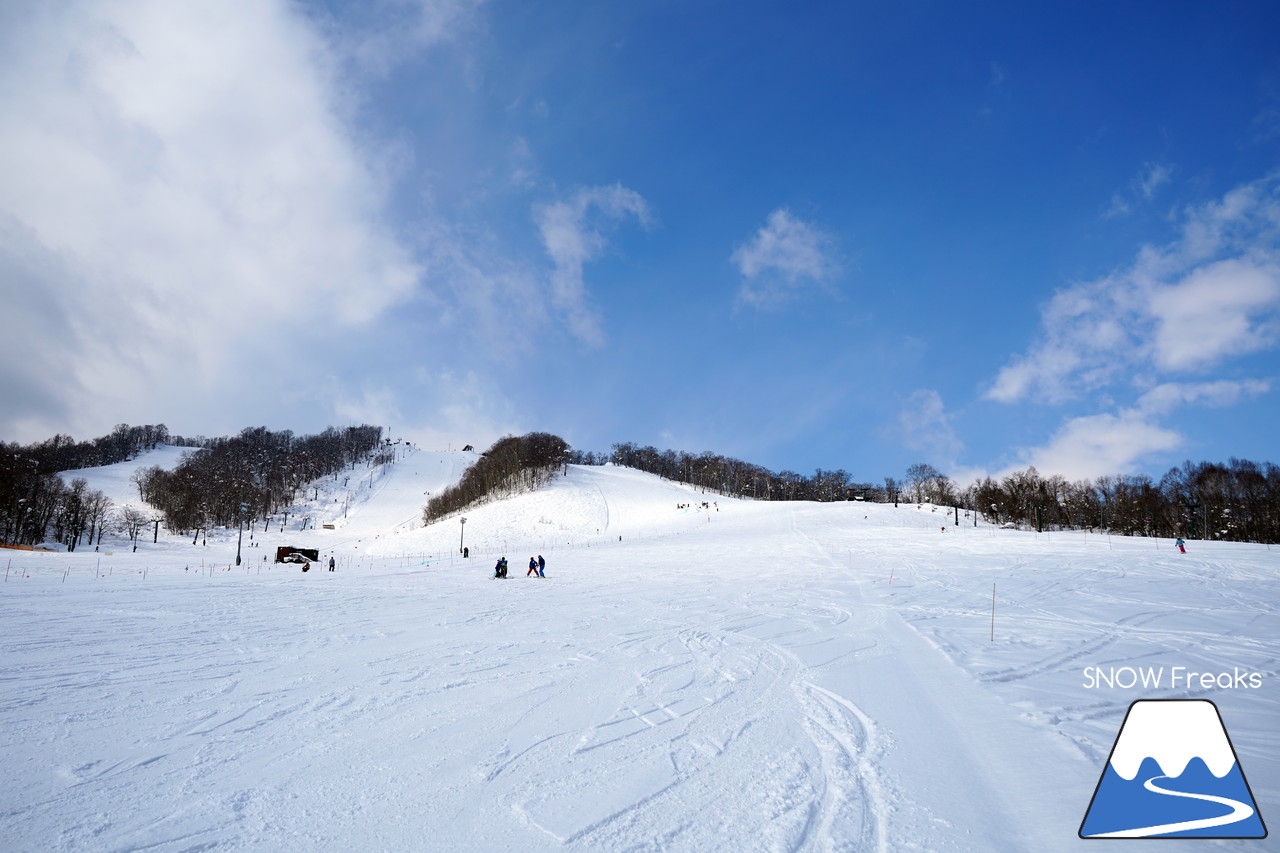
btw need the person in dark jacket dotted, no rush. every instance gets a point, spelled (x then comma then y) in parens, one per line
(542, 567)
(500, 570)
(533, 568)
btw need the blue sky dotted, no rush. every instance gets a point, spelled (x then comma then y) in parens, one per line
(856, 235)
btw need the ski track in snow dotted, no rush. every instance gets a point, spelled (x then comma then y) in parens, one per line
(785, 677)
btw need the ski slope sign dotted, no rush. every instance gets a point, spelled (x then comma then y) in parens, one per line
(1172, 773)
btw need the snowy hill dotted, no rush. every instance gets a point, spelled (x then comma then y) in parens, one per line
(114, 480)
(741, 676)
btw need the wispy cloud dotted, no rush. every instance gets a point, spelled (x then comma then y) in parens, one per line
(375, 37)
(573, 233)
(1211, 295)
(1165, 398)
(1177, 313)
(1141, 190)
(783, 256)
(923, 425)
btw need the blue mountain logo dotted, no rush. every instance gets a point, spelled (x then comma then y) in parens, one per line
(1173, 773)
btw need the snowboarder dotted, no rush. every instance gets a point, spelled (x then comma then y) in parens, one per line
(533, 568)
(1182, 546)
(542, 567)
(306, 567)
(331, 564)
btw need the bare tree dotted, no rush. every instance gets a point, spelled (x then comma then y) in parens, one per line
(134, 520)
(920, 476)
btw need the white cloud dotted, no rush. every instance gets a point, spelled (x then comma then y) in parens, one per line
(572, 236)
(1165, 398)
(1118, 443)
(1218, 310)
(1178, 311)
(780, 258)
(181, 188)
(1210, 295)
(1085, 333)
(1095, 445)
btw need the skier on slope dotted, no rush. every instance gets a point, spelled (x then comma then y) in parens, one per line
(542, 567)
(1182, 546)
(331, 564)
(533, 568)
(500, 570)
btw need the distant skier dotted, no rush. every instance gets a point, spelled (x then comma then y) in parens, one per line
(542, 567)
(1182, 546)
(533, 568)
(500, 570)
(306, 567)
(331, 564)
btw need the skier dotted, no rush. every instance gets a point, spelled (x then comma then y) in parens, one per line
(331, 564)
(306, 567)
(1182, 546)
(542, 567)
(500, 570)
(533, 568)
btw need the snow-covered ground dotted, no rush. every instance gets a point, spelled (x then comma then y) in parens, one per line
(744, 676)
(115, 481)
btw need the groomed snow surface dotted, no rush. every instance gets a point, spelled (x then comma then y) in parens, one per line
(747, 676)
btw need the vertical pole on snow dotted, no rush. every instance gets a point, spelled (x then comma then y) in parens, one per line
(993, 612)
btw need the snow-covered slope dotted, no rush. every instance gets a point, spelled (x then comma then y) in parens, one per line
(746, 676)
(115, 481)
